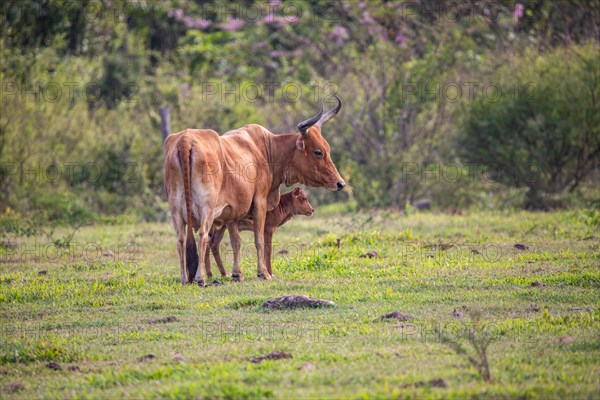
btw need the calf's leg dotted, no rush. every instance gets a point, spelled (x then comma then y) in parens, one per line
(235, 239)
(215, 248)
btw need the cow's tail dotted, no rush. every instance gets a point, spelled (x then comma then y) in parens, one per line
(191, 251)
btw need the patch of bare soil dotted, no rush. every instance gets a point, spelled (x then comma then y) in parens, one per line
(307, 367)
(274, 355)
(439, 245)
(53, 366)
(14, 387)
(439, 383)
(400, 316)
(460, 312)
(370, 254)
(566, 340)
(533, 308)
(291, 302)
(165, 320)
(147, 357)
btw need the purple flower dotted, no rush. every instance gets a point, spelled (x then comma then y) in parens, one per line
(400, 39)
(518, 12)
(232, 24)
(197, 23)
(269, 18)
(189, 22)
(176, 13)
(339, 34)
(185, 89)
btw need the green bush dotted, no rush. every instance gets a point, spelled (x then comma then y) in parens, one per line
(545, 136)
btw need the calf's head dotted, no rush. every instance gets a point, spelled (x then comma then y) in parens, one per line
(312, 160)
(300, 204)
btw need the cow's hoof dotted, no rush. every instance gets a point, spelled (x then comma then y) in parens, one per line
(237, 277)
(201, 283)
(264, 276)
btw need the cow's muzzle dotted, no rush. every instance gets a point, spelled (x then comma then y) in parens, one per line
(340, 185)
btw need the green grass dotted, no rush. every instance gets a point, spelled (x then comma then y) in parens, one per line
(99, 312)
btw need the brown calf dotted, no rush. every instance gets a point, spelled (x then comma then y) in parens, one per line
(290, 204)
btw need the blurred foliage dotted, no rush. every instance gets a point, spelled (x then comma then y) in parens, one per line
(546, 136)
(82, 83)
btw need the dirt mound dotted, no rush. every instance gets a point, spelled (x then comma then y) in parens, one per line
(401, 316)
(290, 302)
(165, 320)
(147, 357)
(54, 366)
(274, 355)
(370, 254)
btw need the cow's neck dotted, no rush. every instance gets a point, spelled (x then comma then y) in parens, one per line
(282, 151)
(283, 212)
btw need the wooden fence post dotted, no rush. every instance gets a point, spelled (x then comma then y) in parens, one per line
(165, 122)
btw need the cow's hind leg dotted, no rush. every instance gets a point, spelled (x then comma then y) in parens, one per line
(203, 243)
(180, 232)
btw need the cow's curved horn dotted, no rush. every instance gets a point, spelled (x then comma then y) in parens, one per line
(304, 125)
(331, 113)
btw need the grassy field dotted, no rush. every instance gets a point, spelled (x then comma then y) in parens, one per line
(77, 322)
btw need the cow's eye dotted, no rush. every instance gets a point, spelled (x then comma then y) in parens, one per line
(319, 153)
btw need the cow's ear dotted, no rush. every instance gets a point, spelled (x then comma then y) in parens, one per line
(296, 192)
(300, 144)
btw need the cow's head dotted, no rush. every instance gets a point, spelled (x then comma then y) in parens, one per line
(312, 159)
(300, 204)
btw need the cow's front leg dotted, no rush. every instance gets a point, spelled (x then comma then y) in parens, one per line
(236, 240)
(207, 266)
(260, 212)
(269, 248)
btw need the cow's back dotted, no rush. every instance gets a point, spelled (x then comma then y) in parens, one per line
(227, 170)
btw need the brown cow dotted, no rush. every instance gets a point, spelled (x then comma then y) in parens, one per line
(213, 180)
(290, 204)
